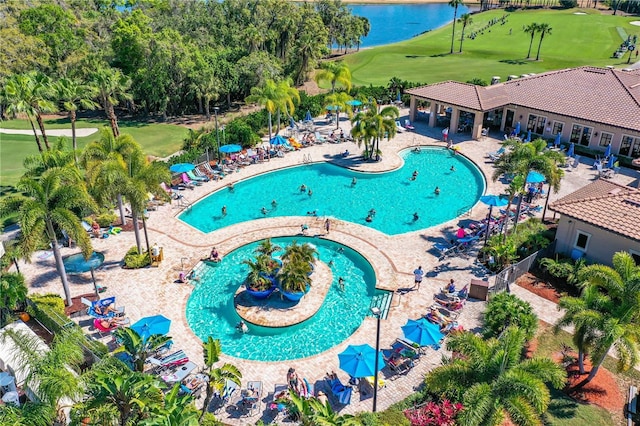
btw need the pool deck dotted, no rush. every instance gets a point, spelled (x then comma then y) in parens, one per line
(154, 290)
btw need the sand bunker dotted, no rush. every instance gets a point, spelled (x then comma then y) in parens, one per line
(636, 23)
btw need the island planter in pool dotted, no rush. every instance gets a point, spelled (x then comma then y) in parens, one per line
(294, 297)
(260, 294)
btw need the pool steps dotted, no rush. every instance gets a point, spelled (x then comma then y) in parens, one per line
(382, 301)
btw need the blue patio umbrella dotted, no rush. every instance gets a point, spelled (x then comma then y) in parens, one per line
(77, 264)
(557, 141)
(612, 161)
(517, 128)
(607, 152)
(359, 361)
(182, 167)
(572, 149)
(422, 332)
(528, 136)
(308, 116)
(535, 177)
(292, 122)
(278, 140)
(332, 107)
(147, 326)
(491, 201)
(354, 102)
(230, 149)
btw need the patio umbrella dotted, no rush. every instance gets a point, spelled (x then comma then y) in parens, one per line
(535, 177)
(278, 140)
(77, 264)
(182, 167)
(491, 201)
(354, 102)
(292, 122)
(557, 141)
(332, 107)
(230, 149)
(607, 152)
(572, 149)
(611, 161)
(157, 324)
(528, 136)
(422, 332)
(359, 361)
(517, 128)
(308, 116)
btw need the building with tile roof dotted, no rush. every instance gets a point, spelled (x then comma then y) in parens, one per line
(589, 106)
(598, 220)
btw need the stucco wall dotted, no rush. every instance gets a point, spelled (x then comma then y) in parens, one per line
(601, 246)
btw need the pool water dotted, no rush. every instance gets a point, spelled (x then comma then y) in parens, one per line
(211, 311)
(393, 195)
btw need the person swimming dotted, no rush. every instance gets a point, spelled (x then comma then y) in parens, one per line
(224, 210)
(437, 190)
(274, 204)
(453, 168)
(415, 216)
(310, 192)
(231, 187)
(312, 213)
(414, 176)
(372, 212)
(242, 327)
(341, 283)
(303, 188)
(369, 218)
(354, 181)
(263, 210)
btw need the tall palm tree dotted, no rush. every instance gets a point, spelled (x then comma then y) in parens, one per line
(49, 206)
(217, 376)
(454, 4)
(336, 73)
(74, 95)
(44, 92)
(112, 87)
(465, 20)
(531, 29)
(267, 247)
(542, 29)
(611, 312)
(492, 380)
(269, 97)
(371, 126)
(176, 410)
(139, 348)
(288, 96)
(339, 101)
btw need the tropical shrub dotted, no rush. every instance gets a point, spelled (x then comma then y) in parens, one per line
(49, 310)
(241, 133)
(434, 414)
(135, 260)
(504, 310)
(568, 4)
(106, 219)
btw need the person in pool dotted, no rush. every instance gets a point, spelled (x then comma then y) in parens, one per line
(372, 212)
(369, 218)
(214, 255)
(263, 211)
(437, 190)
(354, 181)
(453, 168)
(242, 327)
(415, 216)
(341, 283)
(303, 188)
(274, 204)
(224, 210)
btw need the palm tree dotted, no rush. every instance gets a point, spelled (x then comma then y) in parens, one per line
(454, 4)
(610, 314)
(49, 206)
(336, 73)
(138, 348)
(43, 92)
(28, 414)
(288, 96)
(542, 29)
(217, 376)
(112, 88)
(268, 96)
(51, 374)
(492, 380)
(267, 247)
(12, 292)
(73, 95)
(371, 126)
(176, 410)
(531, 29)
(338, 101)
(465, 20)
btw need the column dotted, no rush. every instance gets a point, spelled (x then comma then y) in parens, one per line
(503, 123)
(455, 117)
(412, 109)
(433, 113)
(476, 131)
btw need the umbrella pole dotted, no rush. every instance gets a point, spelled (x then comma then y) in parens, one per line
(375, 372)
(486, 234)
(546, 203)
(95, 286)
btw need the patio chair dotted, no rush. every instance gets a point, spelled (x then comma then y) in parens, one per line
(396, 362)
(104, 331)
(193, 385)
(250, 398)
(445, 249)
(493, 156)
(408, 125)
(228, 392)
(103, 304)
(399, 127)
(319, 138)
(278, 406)
(366, 384)
(189, 182)
(192, 175)
(339, 391)
(177, 358)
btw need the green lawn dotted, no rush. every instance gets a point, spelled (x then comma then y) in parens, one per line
(575, 40)
(159, 140)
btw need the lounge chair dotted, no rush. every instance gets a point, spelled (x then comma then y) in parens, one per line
(177, 358)
(192, 175)
(102, 304)
(396, 362)
(399, 127)
(445, 249)
(103, 331)
(366, 384)
(193, 385)
(250, 398)
(408, 125)
(341, 392)
(189, 182)
(493, 156)
(278, 404)
(319, 138)
(228, 392)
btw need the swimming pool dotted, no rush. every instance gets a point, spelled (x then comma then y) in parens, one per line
(211, 311)
(393, 195)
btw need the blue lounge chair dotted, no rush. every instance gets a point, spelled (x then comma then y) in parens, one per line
(195, 177)
(91, 310)
(341, 392)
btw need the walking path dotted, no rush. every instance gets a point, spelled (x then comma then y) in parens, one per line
(80, 133)
(154, 290)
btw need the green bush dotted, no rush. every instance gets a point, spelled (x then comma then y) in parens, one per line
(135, 260)
(241, 133)
(106, 219)
(506, 309)
(210, 420)
(568, 4)
(49, 310)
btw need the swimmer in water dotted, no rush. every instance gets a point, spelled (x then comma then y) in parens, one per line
(303, 188)
(372, 212)
(330, 264)
(224, 210)
(341, 283)
(263, 210)
(354, 181)
(230, 186)
(415, 216)
(437, 190)
(274, 204)
(369, 218)
(310, 192)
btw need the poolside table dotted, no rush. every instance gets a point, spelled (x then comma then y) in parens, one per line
(180, 373)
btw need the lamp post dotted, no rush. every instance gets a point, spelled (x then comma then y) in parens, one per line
(215, 110)
(377, 313)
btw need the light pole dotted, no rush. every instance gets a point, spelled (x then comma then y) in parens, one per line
(377, 313)
(215, 110)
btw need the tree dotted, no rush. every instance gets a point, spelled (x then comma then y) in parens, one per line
(492, 381)
(73, 95)
(217, 376)
(49, 206)
(338, 100)
(336, 73)
(12, 292)
(505, 310)
(531, 29)
(138, 347)
(288, 98)
(454, 4)
(267, 96)
(370, 126)
(465, 20)
(607, 314)
(176, 410)
(542, 29)
(112, 88)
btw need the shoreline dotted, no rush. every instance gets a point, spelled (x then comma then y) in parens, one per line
(390, 2)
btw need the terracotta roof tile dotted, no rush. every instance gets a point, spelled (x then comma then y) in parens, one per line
(604, 204)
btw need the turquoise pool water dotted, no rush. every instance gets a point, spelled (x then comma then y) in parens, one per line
(211, 312)
(393, 195)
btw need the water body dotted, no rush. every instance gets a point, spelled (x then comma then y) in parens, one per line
(391, 23)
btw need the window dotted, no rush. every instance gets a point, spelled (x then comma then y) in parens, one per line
(636, 256)
(536, 123)
(557, 127)
(630, 147)
(581, 134)
(605, 139)
(582, 241)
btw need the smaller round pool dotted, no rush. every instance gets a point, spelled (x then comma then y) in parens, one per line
(211, 310)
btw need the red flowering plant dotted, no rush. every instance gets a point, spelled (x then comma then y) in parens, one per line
(434, 414)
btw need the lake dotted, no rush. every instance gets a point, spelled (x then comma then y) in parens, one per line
(391, 23)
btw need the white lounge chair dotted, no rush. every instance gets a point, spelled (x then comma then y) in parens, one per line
(399, 127)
